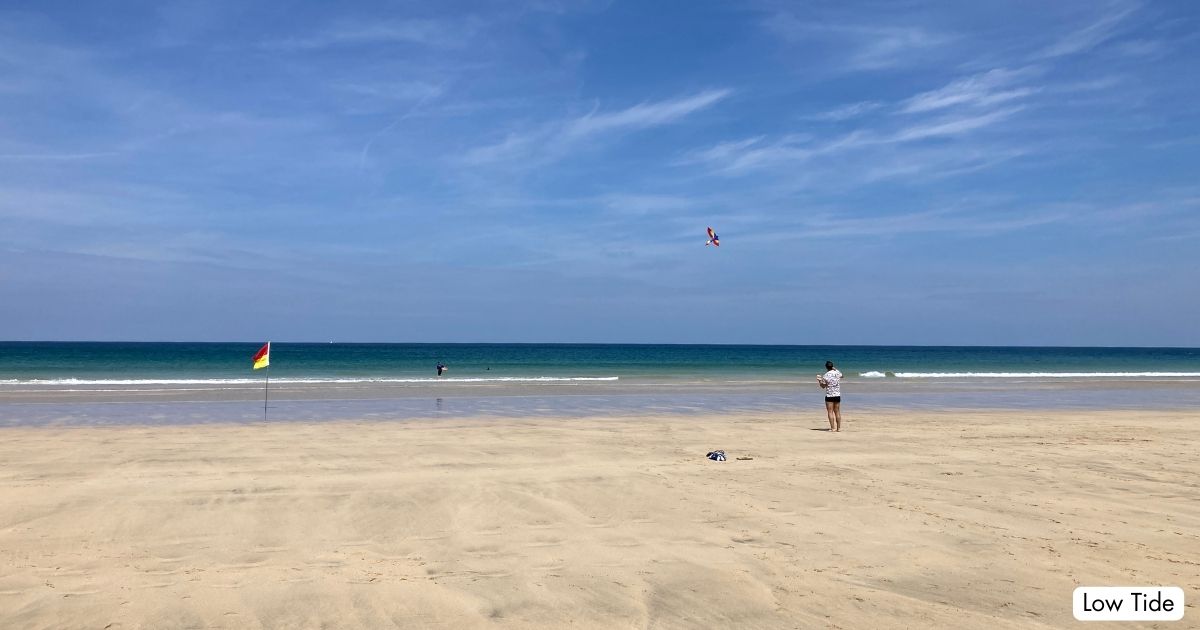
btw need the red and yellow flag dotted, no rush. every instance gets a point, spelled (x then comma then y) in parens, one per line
(262, 358)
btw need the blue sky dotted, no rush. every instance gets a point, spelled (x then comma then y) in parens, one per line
(879, 172)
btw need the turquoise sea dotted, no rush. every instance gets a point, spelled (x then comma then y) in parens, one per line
(64, 362)
(93, 382)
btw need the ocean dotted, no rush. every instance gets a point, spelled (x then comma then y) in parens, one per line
(101, 383)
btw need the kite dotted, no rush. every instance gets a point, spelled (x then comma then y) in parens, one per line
(713, 239)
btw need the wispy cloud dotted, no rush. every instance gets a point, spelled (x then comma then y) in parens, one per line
(724, 151)
(751, 154)
(887, 47)
(1092, 35)
(393, 91)
(412, 111)
(553, 138)
(1102, 83)
(938, 220)
(938, 163)
(433, 33)
(643, 115)
(952, 126)
(512, 145)
(1150, 48)
(956, 110)
(955, 220)
(846, 112)
(989, 88)
(858, 46)
(742, 156)
(111, 206)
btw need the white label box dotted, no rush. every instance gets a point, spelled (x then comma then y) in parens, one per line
(1128, 603)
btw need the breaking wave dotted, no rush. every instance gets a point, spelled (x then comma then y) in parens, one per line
(1045, 374)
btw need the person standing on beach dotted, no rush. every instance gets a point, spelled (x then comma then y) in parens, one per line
(831, 382)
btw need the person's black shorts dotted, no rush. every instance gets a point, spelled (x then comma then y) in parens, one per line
(836, 399)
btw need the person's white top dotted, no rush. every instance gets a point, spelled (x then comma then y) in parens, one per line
(833, 383)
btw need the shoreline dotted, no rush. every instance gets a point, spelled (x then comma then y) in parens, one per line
(159, 406)
(939, 520)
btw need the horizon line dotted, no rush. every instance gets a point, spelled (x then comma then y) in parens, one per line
(604, 343)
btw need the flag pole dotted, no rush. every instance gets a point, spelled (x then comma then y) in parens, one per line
(262, 359)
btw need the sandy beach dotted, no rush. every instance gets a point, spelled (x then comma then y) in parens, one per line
(906, 520)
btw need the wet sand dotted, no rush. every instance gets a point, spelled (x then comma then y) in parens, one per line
(907, 519)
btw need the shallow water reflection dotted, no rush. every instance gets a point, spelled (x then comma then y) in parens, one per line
(569, 405)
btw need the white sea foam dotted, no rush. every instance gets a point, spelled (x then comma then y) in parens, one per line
(1045, 374)
(873, 375)
(300, 381)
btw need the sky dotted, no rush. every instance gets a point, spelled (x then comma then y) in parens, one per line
(899, 172)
